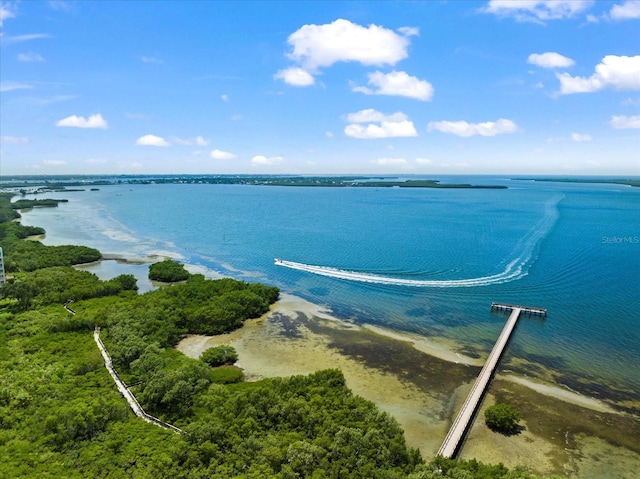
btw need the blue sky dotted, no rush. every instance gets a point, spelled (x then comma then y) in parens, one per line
(403, 87)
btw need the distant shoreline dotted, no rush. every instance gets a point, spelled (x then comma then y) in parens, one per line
(30, 184)
(612, 181)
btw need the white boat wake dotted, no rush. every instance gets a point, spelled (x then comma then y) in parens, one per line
(515, 269)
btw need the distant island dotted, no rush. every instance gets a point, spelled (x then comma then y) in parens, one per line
(614, 181)
(34, 184)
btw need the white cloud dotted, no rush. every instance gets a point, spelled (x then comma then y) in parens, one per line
(151, 140)
(54, 162)
(463, 128)
(316, 46)
(618, 72)
(30, 57)
(631, 102)
(24, 38)
(424, 161)
(624, 122)
(14, 140)
(385, 129)
(263, 160)
(224, 97)
(94, 121)
(14, 85)
(550, 60)
(625, 11)
(578, 137)
(537, 10)
(409, 31)
(154, 60)
(390, 161)
(6, 11)
(295, 76)
(328, 134)
(396, 125)
(96, 161)
(61, 5)
(397, 84)
(197, 141)
(221, 155)
(371, 115)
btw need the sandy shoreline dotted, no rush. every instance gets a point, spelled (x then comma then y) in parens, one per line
(421, 382)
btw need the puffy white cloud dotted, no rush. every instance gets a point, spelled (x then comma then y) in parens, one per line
(94, 121)
(390, 161)
(14, 140)
(385, 129)
(550, 60)
(13, 85)
(537, 10)
(396, 125)
(263, 160)
(463, 128)
(624, 122)
(316, 46)
(54, 162)
(30, 57)
(197, 141)
(625, 11)
(224, 97)
(397, 83)
(371, 115)
(295, 76)
(151, 140)
(221, 155)
(618, 72)
(578, 137)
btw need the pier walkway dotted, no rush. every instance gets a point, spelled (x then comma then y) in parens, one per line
(460, 426)
(124, 390)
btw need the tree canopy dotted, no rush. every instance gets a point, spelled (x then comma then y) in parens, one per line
(168, 271)
(502, 418)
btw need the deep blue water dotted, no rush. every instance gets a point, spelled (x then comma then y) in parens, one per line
(428, 261)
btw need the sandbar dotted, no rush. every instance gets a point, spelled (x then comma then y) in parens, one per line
(422, 382)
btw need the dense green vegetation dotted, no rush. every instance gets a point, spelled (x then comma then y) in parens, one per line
(32, 255)
(219, 355)
(61, 414)
(168, 271)
(502, 418)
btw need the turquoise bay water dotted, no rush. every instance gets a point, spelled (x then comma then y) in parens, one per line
(427, 261)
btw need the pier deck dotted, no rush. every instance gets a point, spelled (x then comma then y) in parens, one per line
(460, 426)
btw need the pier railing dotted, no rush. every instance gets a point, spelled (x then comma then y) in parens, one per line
(464, 419)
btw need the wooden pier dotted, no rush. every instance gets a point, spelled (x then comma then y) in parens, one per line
(460, 426)
(525, 309)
